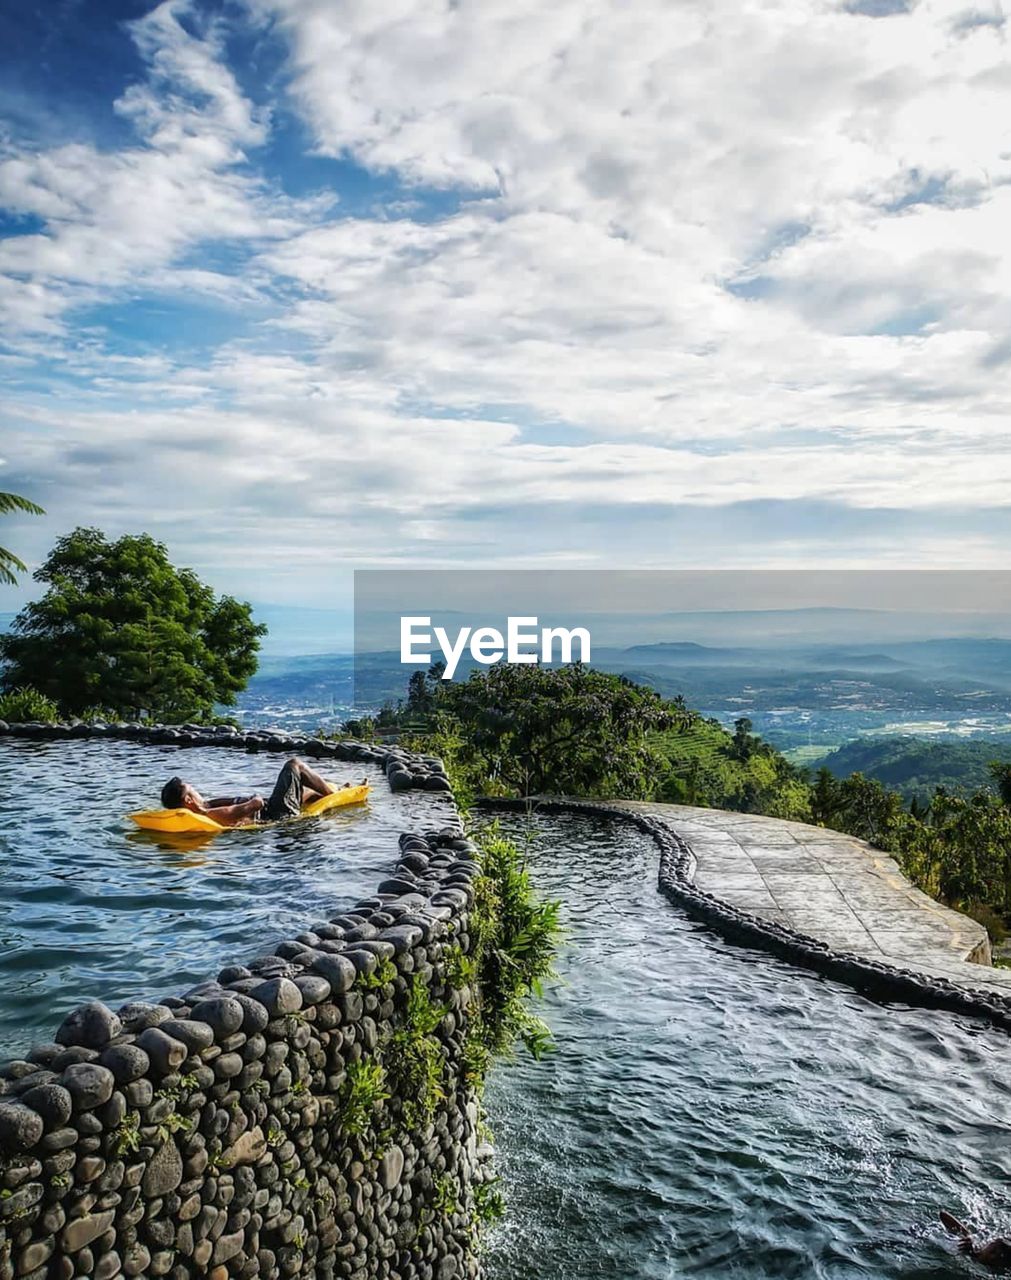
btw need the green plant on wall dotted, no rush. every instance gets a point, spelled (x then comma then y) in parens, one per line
(363, 1093)
(489, 1203)
(459, 969)
(515, 935)
(446, 1200)
(415, 1058)
(383, 975)
(173, 1123)
(127, 1137)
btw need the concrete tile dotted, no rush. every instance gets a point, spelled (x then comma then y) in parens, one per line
(720, 882)
(759, 903)
(828, 886)
(792, 865)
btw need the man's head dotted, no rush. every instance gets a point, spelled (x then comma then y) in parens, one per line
(176, 794)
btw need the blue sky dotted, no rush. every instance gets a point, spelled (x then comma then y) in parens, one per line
(300, 286)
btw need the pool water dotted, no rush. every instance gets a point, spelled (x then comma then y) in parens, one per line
(712, 1112)
(91, 907)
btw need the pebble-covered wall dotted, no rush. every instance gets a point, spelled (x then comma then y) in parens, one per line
(307, 1113)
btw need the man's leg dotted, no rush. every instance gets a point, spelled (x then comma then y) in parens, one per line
(296, 786)
(311, 781)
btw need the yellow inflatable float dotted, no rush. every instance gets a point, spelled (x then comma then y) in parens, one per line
(186, 821)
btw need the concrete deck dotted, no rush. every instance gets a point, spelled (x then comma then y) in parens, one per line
(832, 887)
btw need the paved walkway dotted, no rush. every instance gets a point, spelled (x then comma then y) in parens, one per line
(832, 887)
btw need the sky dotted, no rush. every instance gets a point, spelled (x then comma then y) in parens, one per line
(302, 286)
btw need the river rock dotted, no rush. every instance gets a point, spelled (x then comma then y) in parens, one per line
(164, 1052)
(193, 1034)
(82, 1231)
(51, 1101)
(278, 996)
(338, 971)
(247, 1149)
(391, 1168)
(164, 1171)
(402, 937)
(223, 1014)
(254, 1016)
(138, 1015)
(314, 989)
(20, 1127)
(92, 1025)
(88, 1084)
(127, 1062)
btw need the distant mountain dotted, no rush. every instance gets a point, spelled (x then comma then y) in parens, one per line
(837, 657)
(915, 766)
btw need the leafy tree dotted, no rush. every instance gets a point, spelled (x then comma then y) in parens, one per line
(9, 563)
(825, 799)
(121, 627)
(1001, 774)
(870, 811)
(423, 691)
(565, 729)
(745, 742)
(972, 849)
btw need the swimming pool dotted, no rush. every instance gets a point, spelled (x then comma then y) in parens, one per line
(709, 1112)
(91, 907)
(716, 1113)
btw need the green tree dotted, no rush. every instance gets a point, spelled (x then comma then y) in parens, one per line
(870, 811)
(1001, 774)
(10, 565)
(120, 627)
(975, 839)
(745, 743)
(825, 798)
(566, 729)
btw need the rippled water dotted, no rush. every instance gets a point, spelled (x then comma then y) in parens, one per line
(91, 907)
(712, 1112)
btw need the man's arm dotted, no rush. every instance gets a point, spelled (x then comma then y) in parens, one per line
(229, 815)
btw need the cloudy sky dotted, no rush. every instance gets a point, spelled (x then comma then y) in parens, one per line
(306, 285)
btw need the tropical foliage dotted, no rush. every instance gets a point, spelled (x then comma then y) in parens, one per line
(514, 937)
(10, 565)
(522, 730)
(119, 626)
(530, 729)
(25, 704)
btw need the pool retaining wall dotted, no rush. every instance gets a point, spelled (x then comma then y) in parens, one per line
(878, 980)
(240, 1129)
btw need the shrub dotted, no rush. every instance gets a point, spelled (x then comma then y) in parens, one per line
(515, 935)
(991, 920)
(415, 1058)
(25, 703)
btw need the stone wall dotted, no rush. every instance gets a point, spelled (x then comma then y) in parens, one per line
(307, 1113)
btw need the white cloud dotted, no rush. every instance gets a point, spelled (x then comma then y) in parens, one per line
(693, 256)
(123, 219)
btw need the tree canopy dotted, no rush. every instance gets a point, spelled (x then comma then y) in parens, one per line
(567, 729)
(121, 628)
(10, 565)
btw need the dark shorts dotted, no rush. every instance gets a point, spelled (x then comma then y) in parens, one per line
(285, 800)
